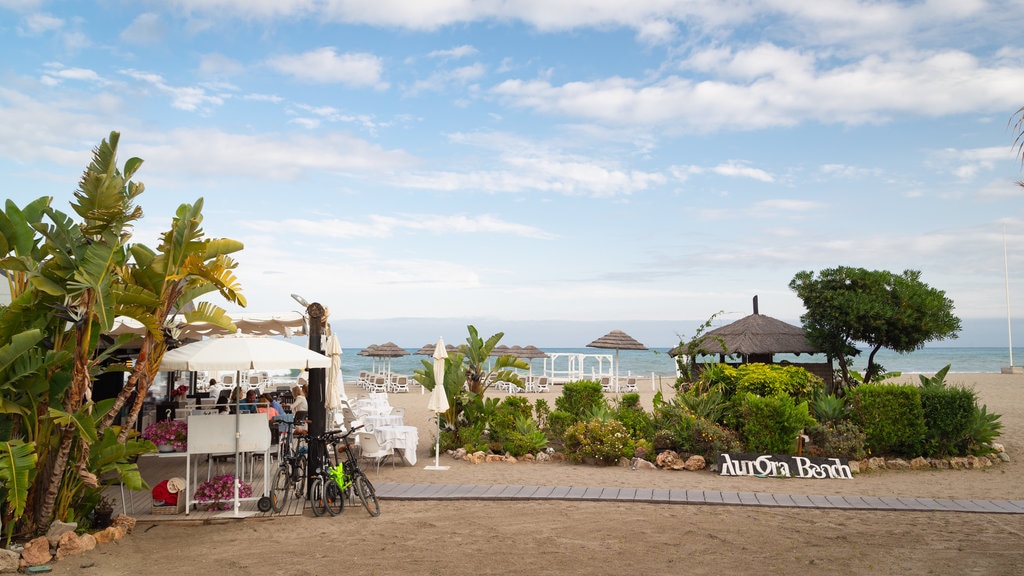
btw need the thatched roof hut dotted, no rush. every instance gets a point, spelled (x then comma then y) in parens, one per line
(756, 338)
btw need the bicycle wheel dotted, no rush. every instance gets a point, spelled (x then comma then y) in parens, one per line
(299, 475)
(316, 497)
(367, 495)
(280, 488)
(333, 498)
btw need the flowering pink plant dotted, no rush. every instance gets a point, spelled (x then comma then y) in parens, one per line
(219, 491)
(172, 432)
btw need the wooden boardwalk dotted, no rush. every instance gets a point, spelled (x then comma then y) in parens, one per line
(155, 469)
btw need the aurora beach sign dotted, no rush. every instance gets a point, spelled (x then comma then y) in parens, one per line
(783, 466)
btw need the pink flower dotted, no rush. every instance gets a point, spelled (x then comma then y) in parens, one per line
(173, 432)
(219, 491)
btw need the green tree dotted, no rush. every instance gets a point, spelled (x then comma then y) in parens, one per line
(878, 308)
(687, 352)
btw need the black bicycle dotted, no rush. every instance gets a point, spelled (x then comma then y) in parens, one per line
(290, 478)
(334, 481)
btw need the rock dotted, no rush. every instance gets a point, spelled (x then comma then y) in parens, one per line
(557, 457)
(69, 545)
(641, 464)
(459, 453)
(10, 561)
(978, 462)
(127, 521)
(110, 534)
(669, 459)
(854, 466)
(511, 459)
(939, 463)
(527, 458)
(998, 447)
(475, 458)
(958, 463)
(88, 541)
(1004, 456)
(495, 458)
(694, 463)
(36, 552)
(897, 464)
(58, 529)
(625, 462)
(876, 463)
(543, 457)
(919, 463)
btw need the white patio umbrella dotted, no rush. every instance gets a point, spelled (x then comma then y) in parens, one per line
(438, 401)
(241, 353)
(335, 391)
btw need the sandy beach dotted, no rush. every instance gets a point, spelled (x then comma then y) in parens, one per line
(473, 537)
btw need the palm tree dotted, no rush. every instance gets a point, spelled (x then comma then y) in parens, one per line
(477, 353)
(185, 266)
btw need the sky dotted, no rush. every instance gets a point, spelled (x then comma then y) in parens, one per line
(553, 170)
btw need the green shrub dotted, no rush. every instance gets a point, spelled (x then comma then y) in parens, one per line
(541, 411)
(663, 440)
(605, 441)
(580, 398)
(637, 421)
(771, 424)
(710, 406)
(505, 416)
(630, 400)
(763, 380)
(947, 416)
(524, 438)
(829, 408)
(836, 440)
(710, 439)
(890, 416)
(643, 449)
(473, 439)
(982, 431)
(558, 422)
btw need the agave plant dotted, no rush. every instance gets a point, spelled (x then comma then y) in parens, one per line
(829, 408)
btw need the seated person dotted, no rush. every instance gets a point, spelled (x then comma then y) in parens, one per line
(248, 405)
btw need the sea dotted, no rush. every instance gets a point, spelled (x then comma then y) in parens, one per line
(657, 362)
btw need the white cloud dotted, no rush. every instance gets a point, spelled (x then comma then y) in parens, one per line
(188, 98)
(39, 23)
(146, 28)
(455, 53)
(219, 65)
(326, 66)
(377, 226)
(769, 87)
(740, 169)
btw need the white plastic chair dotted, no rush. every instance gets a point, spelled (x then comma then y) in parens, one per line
(372, 449)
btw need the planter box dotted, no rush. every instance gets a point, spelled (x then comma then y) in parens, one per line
(171, 509)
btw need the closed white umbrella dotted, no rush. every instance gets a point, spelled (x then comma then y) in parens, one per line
(438, 401)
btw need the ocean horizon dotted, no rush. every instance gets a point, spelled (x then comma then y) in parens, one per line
(657, 362)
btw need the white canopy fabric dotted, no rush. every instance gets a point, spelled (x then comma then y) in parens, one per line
(242, 353)
(278, 324)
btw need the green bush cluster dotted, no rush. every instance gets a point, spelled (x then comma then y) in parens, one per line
(891, 417)
(604, 440)
(771, 424)
(947, 416)
(752, 408)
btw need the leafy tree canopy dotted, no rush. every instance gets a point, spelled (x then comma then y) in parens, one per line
(846, 306)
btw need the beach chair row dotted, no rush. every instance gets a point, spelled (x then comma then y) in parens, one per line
(377, 382)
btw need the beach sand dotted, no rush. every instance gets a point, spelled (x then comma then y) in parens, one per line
(539, 538)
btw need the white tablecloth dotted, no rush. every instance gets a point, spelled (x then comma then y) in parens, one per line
(402, 438)
(389, 420)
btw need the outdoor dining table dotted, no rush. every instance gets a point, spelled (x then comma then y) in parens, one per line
(402, 438)
(377, 421)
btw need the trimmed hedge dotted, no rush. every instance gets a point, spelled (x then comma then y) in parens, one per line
(770, 425)
(947, 416)
(891, 417)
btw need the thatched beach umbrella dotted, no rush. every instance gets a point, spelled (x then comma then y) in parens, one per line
(617, 340)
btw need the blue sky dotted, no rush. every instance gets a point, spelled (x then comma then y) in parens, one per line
(620, 164)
